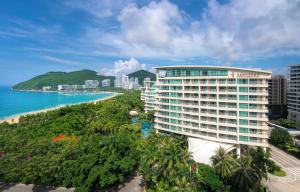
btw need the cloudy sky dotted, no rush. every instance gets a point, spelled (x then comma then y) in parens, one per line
(120, 36)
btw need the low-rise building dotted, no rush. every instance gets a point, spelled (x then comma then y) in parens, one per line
(71, 87)
(47, 88)
(106, 83)
(91, 84)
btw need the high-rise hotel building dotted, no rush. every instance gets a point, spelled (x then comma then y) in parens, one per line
(222, 104)
(294, 92)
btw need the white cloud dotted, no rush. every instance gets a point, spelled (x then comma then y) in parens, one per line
(124, 67)
(59, 60)
(237, 30)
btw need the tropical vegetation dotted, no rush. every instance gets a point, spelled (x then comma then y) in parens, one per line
(60, 78)
(282, 139)
(166, 165)
(88, 146)
(288, 123)
(245, 173)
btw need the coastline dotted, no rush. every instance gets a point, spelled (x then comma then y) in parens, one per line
(15, 118)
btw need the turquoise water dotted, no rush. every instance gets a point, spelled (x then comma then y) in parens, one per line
(18, 102)
(146, 126)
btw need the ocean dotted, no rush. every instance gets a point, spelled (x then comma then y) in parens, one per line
(17, 102)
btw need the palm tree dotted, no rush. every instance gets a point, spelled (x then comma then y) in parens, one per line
(171, 160)
(183, 185)
(245, 178)
(223, 163)
(260, 162)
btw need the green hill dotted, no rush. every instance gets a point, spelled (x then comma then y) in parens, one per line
(59, 78)
(142, 74)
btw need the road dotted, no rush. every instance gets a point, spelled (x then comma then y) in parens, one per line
(291, 165)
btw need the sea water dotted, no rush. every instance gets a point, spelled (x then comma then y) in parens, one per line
(17, 102)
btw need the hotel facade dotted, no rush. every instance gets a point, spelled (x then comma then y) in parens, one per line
(294, 93)
(220, 104)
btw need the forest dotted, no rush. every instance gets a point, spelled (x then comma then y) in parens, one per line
(96, 147)
(89, 146)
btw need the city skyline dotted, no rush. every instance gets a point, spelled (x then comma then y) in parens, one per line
(126, 35)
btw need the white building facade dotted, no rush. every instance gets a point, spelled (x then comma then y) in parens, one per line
(91, 84)
(106, 83)
(221, 104)
(293, 100)
(124, 82)
(148, 95)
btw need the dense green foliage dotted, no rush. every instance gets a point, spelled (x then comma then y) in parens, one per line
(142, 74)
(242, 174)
(282, 139)
(288, 123)
(59, 78)
(166, 165)
(87, 146)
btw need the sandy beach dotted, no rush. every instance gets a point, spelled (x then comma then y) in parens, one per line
(15, 119)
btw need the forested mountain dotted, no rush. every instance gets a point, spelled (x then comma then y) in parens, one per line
(74, 78)
(59, 78)
(142, 74)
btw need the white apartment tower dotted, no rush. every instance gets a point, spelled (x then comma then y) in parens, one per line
(294, 92)
(221, 104)
(148, 94)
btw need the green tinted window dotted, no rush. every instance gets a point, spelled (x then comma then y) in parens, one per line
(244, 97)
(244, 89)
(243, 122)
(244, 105)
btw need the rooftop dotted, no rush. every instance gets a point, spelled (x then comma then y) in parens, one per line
(212, 67)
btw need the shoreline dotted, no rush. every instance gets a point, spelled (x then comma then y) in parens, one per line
(15, 118)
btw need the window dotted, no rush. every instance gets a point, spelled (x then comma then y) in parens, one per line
(244, 130)
(243, 122)
(244, 105)
(244, 89)
(244, 138)
(243, 81)
(243, 114)
(244, 97)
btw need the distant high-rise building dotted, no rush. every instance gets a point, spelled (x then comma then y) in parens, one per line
(294, 92)
(91, 84)
(277, 97)
(106, 83)
(277, 90)
(118, 81)
(124, 82)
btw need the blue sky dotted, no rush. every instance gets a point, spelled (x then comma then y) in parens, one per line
(121, 36)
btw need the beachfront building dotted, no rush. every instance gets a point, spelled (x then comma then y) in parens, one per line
(294, 92)
(133, 83)
(121, 81)
(106, 83)
(148, 94)
(91, 84)
(124, 82)
(225, 105)
(47, 88)
(71, 87)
